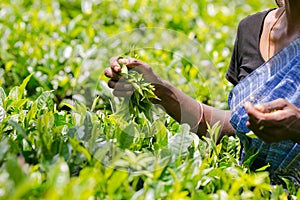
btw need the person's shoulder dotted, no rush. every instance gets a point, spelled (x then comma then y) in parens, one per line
(254, 19)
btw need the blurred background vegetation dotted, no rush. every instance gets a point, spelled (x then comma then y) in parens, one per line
(53, 52)
(67, 44)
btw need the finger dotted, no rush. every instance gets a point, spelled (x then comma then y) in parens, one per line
(120, 85)
(114, 64)
(249, 107)
(254, 114)
(129, 62)
(266, 118)
(108, 72)
(260, 108)
(275, 116)
(138, 65)
(122, 93)
(277, 104)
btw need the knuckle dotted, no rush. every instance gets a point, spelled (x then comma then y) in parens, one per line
(281, 101)
(127, 86)
(117, 93)
(136, 62)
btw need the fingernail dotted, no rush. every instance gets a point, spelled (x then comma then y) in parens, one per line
(117, 68)
(246, 104)
(247, 123)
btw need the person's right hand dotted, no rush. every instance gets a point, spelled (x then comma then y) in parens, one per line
(121, 87)
(274, 121)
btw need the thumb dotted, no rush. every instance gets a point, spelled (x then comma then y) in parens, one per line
(135, 64)
(129, 62)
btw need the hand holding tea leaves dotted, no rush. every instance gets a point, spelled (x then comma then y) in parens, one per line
(119, 74)
(274, 121)
(132, 79)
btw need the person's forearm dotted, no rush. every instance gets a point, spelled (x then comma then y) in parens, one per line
(185, 109)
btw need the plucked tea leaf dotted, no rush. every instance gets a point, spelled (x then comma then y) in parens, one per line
(139, 101)
(264, 168)
(251, 134)
(124, 70)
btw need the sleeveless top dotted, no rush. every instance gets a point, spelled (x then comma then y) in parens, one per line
(246, 55)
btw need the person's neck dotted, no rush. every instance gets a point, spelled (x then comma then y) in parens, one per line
(292, 8)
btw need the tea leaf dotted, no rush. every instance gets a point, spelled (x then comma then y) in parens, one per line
(2, 114)
(179, 143)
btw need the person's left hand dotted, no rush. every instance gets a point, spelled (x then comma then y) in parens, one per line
(274, 121)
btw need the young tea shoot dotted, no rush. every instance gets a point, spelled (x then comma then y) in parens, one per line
(140, 101)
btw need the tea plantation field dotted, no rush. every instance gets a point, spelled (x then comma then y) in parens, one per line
(63, 135)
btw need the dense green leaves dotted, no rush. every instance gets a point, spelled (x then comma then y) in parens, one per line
(179, 143)
(64, 136)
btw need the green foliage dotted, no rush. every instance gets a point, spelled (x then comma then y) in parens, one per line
(67, 46)
(140, 100)
(53, 154)
(64, 136)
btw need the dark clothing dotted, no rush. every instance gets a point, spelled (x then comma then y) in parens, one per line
(246, 55)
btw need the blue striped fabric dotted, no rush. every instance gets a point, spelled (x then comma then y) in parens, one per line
(277, 78)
